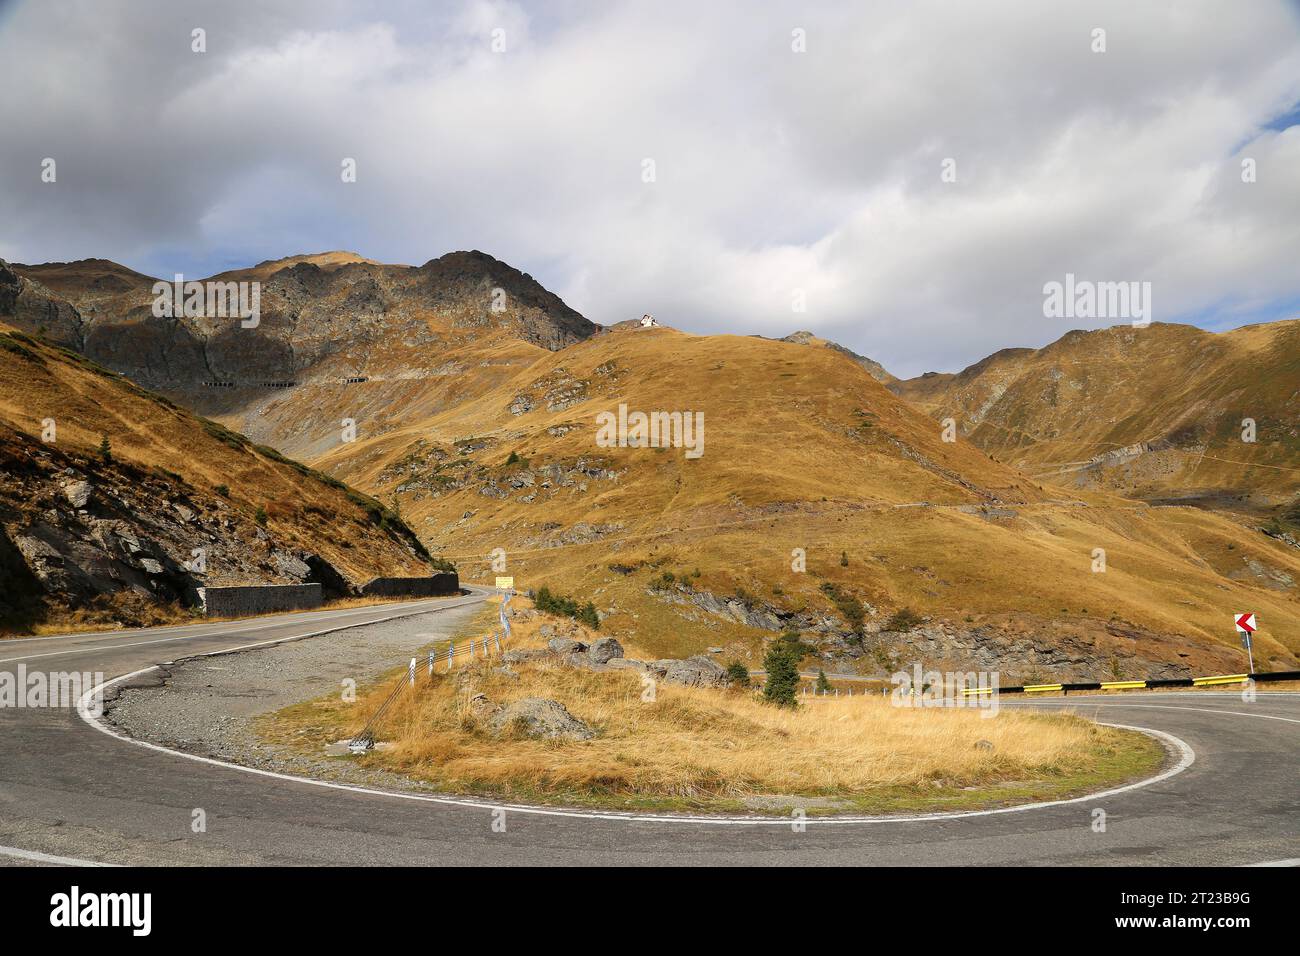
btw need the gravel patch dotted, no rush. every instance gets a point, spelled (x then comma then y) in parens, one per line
(207, 706)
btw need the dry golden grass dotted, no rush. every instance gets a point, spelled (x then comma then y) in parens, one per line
(713, 749)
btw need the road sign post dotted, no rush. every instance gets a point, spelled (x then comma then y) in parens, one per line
(1246, 625)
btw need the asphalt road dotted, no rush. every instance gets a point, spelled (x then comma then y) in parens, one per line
(69, 792)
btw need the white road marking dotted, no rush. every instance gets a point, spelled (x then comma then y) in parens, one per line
(35, 857)
(214, 629)
(1295, 862)
(340, 616)
(1199, 710)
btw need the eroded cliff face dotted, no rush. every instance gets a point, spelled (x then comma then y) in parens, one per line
(348, 319)
(336, 337)
(29, 305)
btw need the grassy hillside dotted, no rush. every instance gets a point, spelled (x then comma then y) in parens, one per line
(1155, 413)
(805, 450)
(823, 502)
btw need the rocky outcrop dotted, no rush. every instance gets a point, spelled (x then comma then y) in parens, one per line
(526, 655)
(872, 367)
(539, 718)
(34, 309)
(563, 646)
(602, 650)
(766, 617)
(1065, 655)
(313, 325)
(698, 671)
(86, 531)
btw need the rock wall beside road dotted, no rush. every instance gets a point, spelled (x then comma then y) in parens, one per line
(245, 601)
(434, 585)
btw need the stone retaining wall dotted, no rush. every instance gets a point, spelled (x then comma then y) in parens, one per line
(434, 585)
(246, 600)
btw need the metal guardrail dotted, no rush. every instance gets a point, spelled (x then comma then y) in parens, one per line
(365, 739)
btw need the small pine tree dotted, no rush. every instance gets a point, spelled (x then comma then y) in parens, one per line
(223, 490)
(543, 601)
(105, 449)
(844, 559)
(738, 674)
(782, 676)
(513, 459)
(588, 615)
(260, 516)
(823, 685)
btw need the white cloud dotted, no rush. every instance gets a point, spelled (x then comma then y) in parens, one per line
(776, 170)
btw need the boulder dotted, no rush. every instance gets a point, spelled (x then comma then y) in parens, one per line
(698, 671)
(481, 707)
(78, 493)
(540, 718)
(524, 655)
(603, 650)
(566, 645)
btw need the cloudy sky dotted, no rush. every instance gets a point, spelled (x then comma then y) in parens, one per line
(798, 152)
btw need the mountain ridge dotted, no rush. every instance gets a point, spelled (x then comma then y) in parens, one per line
(408, 386)
(1157, 412)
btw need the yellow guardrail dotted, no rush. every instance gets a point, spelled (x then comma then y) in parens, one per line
(1039, 688)
(1223, 679)
(974, 691)
(1123, 684)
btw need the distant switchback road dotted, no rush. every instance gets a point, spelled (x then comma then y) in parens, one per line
(71, 793)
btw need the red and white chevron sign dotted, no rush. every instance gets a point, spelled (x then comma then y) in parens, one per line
(1246, 623)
